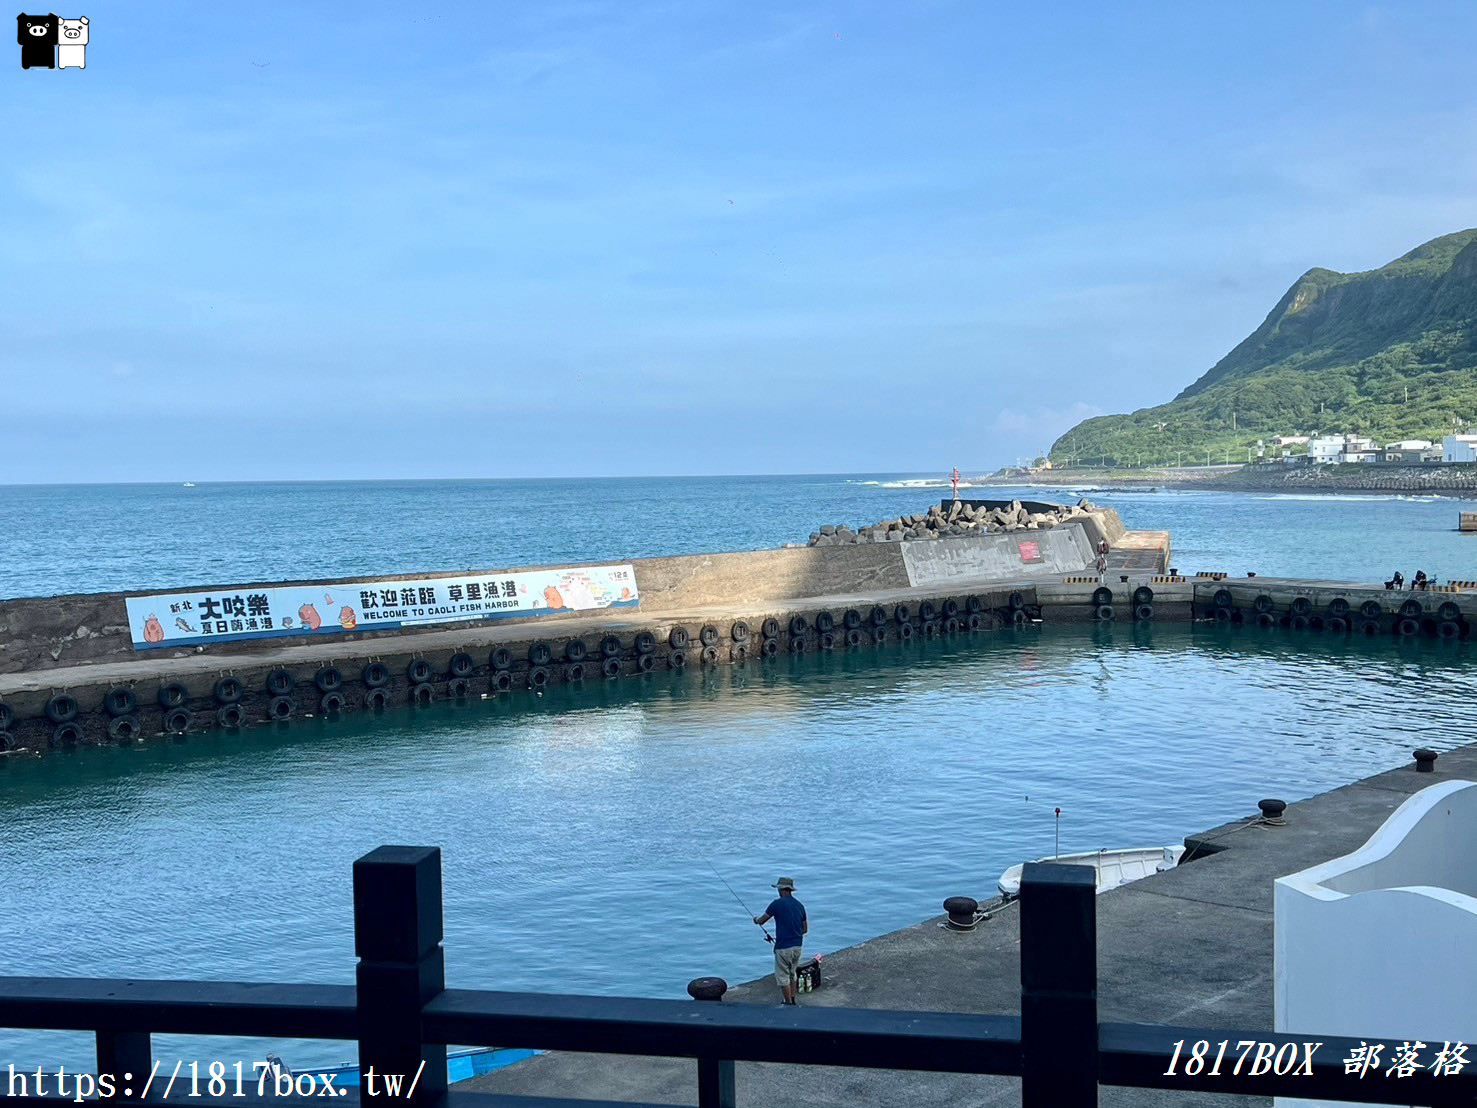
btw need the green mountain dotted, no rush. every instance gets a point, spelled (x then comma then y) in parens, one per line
(1391, 353)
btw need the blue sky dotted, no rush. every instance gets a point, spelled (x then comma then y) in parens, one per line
(375, 240)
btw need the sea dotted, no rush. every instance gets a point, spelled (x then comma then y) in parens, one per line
(589, 836)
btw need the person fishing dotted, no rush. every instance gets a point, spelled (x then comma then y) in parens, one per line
(790, 926)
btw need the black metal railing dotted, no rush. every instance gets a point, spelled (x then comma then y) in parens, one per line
(402, 1015)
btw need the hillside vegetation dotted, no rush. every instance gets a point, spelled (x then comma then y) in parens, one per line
(1391, 353)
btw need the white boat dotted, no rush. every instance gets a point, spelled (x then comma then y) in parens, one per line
(189, 484)
(1114, 867)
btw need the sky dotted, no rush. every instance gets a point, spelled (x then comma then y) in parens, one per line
(340, 241)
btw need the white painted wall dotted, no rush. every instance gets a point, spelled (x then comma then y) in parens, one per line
(1383, 941)
(1459, 448)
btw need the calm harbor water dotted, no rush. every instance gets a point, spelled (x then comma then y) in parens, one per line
(580, 830)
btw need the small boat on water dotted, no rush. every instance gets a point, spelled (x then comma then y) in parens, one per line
(1114, 867)
(189, 484)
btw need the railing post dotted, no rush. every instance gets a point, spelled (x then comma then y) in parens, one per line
(1059, 1031)
(715, 1084)
(128, 1055)
(397, 936)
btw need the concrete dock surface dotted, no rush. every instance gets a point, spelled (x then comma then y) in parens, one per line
(1191, 946)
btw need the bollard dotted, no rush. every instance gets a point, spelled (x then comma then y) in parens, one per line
(1272, 811)
(707, 988)
(961, 911)
(1425, 760)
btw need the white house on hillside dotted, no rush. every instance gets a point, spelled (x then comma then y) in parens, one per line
(1459, 448)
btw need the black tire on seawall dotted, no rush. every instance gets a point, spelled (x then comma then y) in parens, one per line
(376, 699)
(708, 636)
(1103, 612)
(331, 703)
(974, 621)
(950, 608)
(376, 675)
(458, 688)
(1412, 609)
(769, 648)
(928, 611)
(879, 635)
(1299, 622)
(178, 720)
(1265, 619)
(61, 708)
(418, 672)
(538, 677)
(1017, 600)
(67, 734)
(645, 642)
(501, 658)
(974, 605)
(877, 616)
(280, 707)
(1339, 607)
(1408, 626)
(1018, 617)
(118, 702)
(853, 637)
(122, 729)
(1301, 606)
(575, 650)
(1371, 609)
(329, 679)
(951, 625)
(422, 692)
(930, 628)
(1225, 615)
(1143, 595)
(279, 682)
(738, 653)
(228, 717)
(1371, 627)
(1143, 612)
(610, 646)
(575, 671)
(611, 667)
(739, 632)
(710, 655)
(541, 653)
(1262, 603)
(901, 613)
(1449, 611)
(798, 625)
(851, 619)
(770, 628)
(677, 638)
(1337, 625)
(824, 621)
(1101, 596)
(227, 690)
(461, 665)
(1449, 629)
(798, 644)
(826, 640)
(677, 659)
(905, 629)
(1224, 599)
(502, 681)
(645, 662)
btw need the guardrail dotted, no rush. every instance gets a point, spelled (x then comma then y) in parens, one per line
(401, 1014)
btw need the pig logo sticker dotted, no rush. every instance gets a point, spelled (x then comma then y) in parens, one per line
(49, 42)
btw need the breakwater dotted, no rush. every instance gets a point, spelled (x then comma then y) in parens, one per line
(1458, 479)
(79, 672)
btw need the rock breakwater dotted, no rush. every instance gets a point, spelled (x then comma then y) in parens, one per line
(959, 517)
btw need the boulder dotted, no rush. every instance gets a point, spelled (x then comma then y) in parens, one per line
(828, 528)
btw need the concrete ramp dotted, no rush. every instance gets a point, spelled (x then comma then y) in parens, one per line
(1049, 553)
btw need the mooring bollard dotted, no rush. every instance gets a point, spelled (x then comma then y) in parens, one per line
(961, 911)
(1272, 811)
(707, 988)
(1425, 760)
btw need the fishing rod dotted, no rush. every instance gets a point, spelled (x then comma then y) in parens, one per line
(767, 936)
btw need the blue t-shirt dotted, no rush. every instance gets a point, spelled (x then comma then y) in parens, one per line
(788, 915)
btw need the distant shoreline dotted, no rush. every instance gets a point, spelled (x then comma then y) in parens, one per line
(1457, 482)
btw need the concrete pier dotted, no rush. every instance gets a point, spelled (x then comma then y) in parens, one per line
(1191, 946)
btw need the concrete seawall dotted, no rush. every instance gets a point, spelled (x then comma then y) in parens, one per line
(699, 610)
